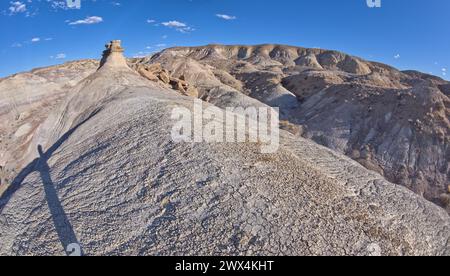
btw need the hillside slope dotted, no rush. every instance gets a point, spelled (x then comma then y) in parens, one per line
(26, 100)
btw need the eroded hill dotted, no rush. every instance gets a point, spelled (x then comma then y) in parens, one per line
(395, 123)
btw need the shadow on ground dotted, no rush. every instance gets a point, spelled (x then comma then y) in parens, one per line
(61, 222)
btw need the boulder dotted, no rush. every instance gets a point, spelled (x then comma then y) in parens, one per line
(184, 87)
(164, 76)
(147, 74)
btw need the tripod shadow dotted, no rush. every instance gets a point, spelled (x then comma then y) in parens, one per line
(61, 222)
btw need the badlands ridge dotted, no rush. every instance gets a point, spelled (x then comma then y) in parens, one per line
(87, 157)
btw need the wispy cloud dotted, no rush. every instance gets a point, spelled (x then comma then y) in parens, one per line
(35, 39)
(397, 56)
(179, 26)
(88, 21)
(17, 7)
(17, 45)
(226, 16)
(60, 56)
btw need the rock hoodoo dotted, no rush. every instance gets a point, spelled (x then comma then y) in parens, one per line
(113, 55)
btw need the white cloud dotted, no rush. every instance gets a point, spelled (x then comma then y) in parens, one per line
(88, 21)
(174, 24)
(179, 26)
(226, 16)
(29, 7)
(397, 56)
(61, 56)
(35, 39)
(151, 21)
(17, 7)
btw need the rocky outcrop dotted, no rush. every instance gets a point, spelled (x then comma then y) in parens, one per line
(156, 73)
(184, 87)
(113, 55)
(309, 61)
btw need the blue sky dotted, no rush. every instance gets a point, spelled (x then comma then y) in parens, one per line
(408, 34)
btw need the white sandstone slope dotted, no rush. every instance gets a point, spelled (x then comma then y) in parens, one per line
(109, 177)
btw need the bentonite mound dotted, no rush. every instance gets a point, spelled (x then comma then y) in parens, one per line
(102, 171)
(394, 123)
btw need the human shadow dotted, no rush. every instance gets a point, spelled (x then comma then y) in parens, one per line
(61, 222)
